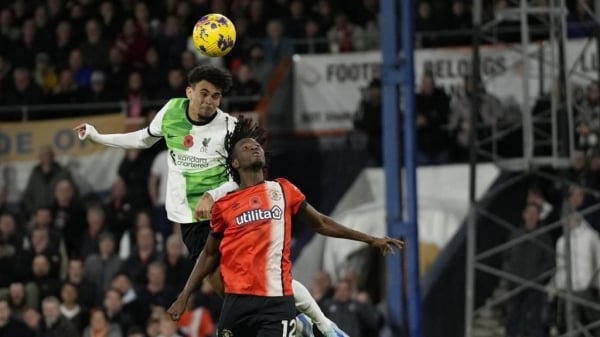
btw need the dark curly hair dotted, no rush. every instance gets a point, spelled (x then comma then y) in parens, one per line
(244, 128)
(218, 77)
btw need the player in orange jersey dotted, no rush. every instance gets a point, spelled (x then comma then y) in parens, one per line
(251, 237)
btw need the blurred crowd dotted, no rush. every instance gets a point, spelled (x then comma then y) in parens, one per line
(95, 51)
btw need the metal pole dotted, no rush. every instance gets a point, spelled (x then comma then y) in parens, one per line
(527, 123)
(391, 157)
(597, 31)
(471, 225)
(569, 307)
(410, 146)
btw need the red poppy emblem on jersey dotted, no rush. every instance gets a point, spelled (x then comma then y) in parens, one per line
(188, 141)
(255, 202)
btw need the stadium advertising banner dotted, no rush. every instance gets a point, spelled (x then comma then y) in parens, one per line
(328, 88)
(92, 165)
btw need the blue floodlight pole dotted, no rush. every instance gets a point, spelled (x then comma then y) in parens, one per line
(397, 36)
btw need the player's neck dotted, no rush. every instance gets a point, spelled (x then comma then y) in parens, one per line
(251, 178)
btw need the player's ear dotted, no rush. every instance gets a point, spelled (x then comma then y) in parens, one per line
(188, 92)
(235, 163)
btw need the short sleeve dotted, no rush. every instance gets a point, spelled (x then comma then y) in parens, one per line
(155, 127)
(216, 220)
(294, 197)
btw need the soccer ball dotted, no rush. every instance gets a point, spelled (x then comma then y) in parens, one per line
(214, 35)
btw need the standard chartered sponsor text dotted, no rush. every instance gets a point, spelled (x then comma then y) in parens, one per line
(185, 160)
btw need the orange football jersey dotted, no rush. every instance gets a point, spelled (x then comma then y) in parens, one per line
(256, 224)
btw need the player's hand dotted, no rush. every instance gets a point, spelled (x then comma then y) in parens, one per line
(177, 308)
(84, 130)
(386, 245)
(204, 206)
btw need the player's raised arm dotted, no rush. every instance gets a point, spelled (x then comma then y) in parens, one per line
(205, 264)
(139, 139)
(327, 226)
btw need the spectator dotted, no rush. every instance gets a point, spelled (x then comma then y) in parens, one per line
(372, 35)
(178, 267)
(55, 324)
(85, 287)
(260, 66)
(276, 45)
(32, 318)
(10, 326)
(460, 115)
(459, 23)
(526, 307)
(66, 92)
(368, 120)
(143, 219)
(156, 291)
(132, 43)
(42, 280)
(69, 216)
(82, 73)
(142, 256)
(8, 29)
(100, 93)
(175, 85)
(44, 74)
(95, 48)
(188, 61)
(157, 189)
(322, 289)
(71, 309)
(432, 112)
(20, 299)
(109, 22)
(101, 267)
(425, 25)
(96, 224)
(155, 73)
(351, 316)
(588, 118)
(119, 210)
(130, 300)
(142, 19)
(12, 246)
(244, 85)
(63, 44)
(49, 243)
(135, 171)
(171, 42)
(585, 262)
(113, 306)
(24, 91)
(324, 12)
(313, 39)
(117, 72)
(100, 326)
(135, 95)
(294, 23)
(26, 47)
(42, 181)
(344, 36)
(256, 19)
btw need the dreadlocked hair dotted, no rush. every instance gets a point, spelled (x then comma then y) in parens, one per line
(244, 128)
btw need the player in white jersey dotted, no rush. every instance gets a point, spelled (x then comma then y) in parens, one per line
(194, 129)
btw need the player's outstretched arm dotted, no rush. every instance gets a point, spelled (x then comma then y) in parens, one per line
(140, 139)
(327, 226)
(205, 264)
